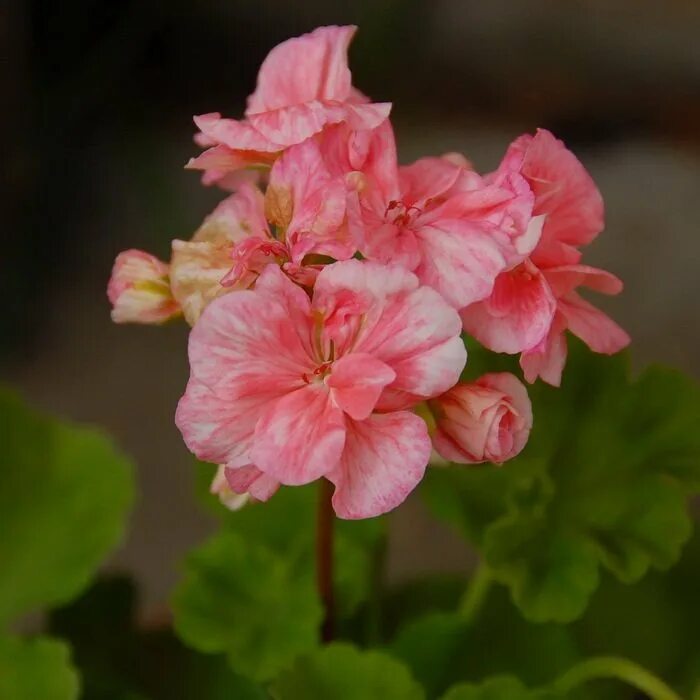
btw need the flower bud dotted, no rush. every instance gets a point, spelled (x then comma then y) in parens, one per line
(228, 497)
(139, 289)
(486, 421)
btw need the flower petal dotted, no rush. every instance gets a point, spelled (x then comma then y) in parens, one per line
(300, 437)
(384, 459)
(238, 135)
(313, 66)
(460, 259)
(565, 278)
(517, 315)
(357, 381)
(250, 480)
(547, 360)
(308, 205)
(597, 330)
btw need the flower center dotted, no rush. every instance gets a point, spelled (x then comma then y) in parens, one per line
(319, 374)
(399, 214)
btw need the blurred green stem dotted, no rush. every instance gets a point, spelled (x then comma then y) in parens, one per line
(614, 667)
(479, 585)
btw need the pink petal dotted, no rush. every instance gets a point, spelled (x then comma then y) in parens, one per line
(426, 178)
(312, 201)
(299, 437)
(238, 135)
(384, 459)
(216, 425)
(517, 315)
(309, 67)
(547, 360)
(364, 117)
(460, 259)
(250, 339)
(597, 330)
(566, 278)
(226, 159)
(249, 479)
(357, 381)
(409, 328)
(418, 336)
(564, 191)
(247, 349)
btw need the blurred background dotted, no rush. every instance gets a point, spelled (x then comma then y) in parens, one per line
(98, 99)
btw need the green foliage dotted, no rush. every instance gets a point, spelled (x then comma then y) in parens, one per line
(36, 669)
(498, 688)
(287, 525)
(343, 672)
(667, 603)
(603, 481)
(119, 660)
(243, 598)
(64, 496)
(442, 648)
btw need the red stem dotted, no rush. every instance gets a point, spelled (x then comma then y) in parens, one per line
(324, 557)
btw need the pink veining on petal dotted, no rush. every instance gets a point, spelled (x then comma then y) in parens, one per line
(384, 459)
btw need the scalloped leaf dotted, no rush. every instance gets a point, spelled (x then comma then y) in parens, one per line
(343, 672)
(442, 649)
(604, 481)
(248, 601)
(498, 688)
(287, 525)
(65, 493)
(36, 668)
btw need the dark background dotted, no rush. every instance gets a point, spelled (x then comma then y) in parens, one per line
(97, 105)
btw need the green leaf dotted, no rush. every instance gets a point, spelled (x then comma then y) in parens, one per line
(243, 598)
(442, 649)
(342, 672)
(469, 498)
(36, 669)
(287, 524)
(498, 688)
(604, 481)
(668, 603)
(65, 493)
(128, 662)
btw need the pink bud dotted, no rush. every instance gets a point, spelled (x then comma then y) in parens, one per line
(486, 421)
(139, 289)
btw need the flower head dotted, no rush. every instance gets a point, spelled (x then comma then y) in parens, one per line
(307, 388)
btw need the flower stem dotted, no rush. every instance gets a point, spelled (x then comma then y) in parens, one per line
(324, 558)
(614, 667)
(479, 585)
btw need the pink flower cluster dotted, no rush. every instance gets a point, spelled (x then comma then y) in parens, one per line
(329, 291)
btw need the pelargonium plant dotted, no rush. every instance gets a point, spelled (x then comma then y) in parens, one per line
(333, 294)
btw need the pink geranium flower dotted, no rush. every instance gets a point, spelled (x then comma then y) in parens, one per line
(444, 222)
(533, 303)
(303, 85)
(488, 420)
(287, 389)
